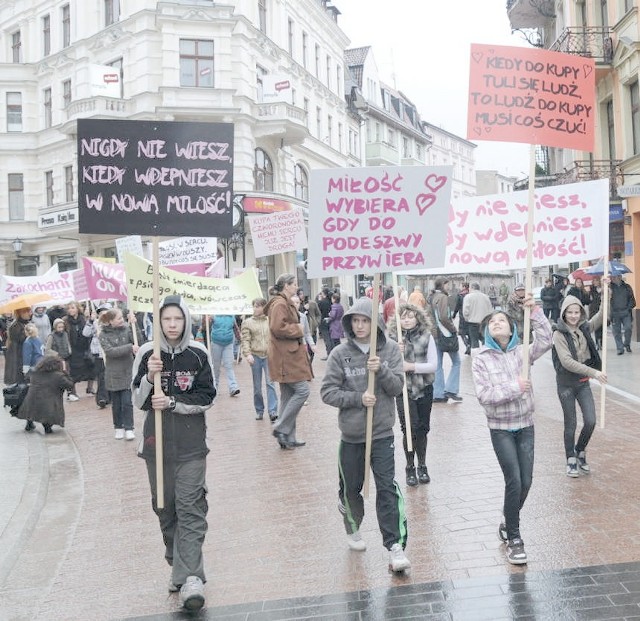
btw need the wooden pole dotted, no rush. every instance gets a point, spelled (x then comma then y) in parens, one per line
(528, 278)
(371, 386)
(157, 380)
(405, 395)
(605, 318)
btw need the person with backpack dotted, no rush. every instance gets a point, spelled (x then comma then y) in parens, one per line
(576, 359)
(222, 339)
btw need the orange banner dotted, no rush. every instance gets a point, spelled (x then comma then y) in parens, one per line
(531, 95)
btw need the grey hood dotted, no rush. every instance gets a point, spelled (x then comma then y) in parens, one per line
(362, 306)
(174, 300)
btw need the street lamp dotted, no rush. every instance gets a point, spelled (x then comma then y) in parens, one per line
(17, 247)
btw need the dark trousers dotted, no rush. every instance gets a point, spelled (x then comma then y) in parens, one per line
(420, 418)
(474, 334)
(326, 337)
(122, 409)
(514, 450)
(183, 521)
(102, 394)
(568, 396)
(392, 520)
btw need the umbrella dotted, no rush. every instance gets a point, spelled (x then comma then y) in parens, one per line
(581, 273)
(26, 300)
(615, 268)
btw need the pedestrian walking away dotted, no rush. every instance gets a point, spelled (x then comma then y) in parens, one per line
(507, 399)
(344, 386)
(222, 340)
(475, 308)
(187, 393)
(622, 304)
(576, 359)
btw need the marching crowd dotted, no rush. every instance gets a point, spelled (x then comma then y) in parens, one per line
(55, 350)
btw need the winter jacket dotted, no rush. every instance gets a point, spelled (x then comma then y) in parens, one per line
(32, 351)
(346, 379)
(13, 354)
(255, 336)
(313, 315)
(622, 299)
(476, 306)
(439, 302)
(582, 294)
(288, 358)
(91, 331)
(572, 369)
(59, 342)
(496, 373)
(117, 344)
(43, 324)
(188, 377)
(335, 321)
(222, 329)
(550, 298)
(43, 403)
(80, 368)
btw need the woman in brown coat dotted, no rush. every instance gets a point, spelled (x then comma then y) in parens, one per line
(43, 403)
(16, 337)
(288, 360)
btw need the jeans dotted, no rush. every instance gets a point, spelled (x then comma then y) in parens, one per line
(292, 398)
(453, 381)
(122, 409)
(568, 396)
(420, 417)
(223, 356)
(259, 367)
(474, 335)
(617, 325)
(514, 450)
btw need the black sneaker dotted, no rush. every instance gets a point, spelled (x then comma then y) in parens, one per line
(412, 480)
(628, 348)
(440, 400)
(581, 456)
(29, 426)
(423, 474)
(502, 532)
(452, 397)
(572, 468)
(515, 552)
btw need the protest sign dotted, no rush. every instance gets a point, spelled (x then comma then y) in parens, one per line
(195, 269)
(489, 233)
(105, 281)
(376, 219)
(131, 243)
(216, 269)
(278, 232)
(535, 96)
(58, 285)
(222, 296)
(186, 250)
(80, 287)
(155, 178)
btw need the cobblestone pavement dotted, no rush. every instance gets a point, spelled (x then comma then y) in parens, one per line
(78, 539)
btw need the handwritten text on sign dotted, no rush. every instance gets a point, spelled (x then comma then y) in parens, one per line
(105, 280)
(531, 95)
(155, 178)
(367, 220)
(278, 232)
(188, 250)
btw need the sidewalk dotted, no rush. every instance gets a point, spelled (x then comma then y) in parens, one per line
(78, 539)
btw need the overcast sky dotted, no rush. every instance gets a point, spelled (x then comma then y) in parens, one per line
(424, 45)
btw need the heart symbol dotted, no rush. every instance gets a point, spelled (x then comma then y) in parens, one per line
(477, 131)
(424, 201)
(477, 56)
(587, 70)
(434, 183)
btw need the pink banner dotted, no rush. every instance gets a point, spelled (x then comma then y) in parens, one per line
(195, 269)
(105, 281)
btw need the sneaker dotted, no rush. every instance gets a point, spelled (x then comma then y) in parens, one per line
(397, 559)
(502, 532)
(356, 542)
(515, 552)
(259, 415)
(119, 434)
(235, 393)
(412, 480)
(73, 397)
(440, 399)
(173, 588)
(29, 426)
(273, 416)
(452, 397)
(192, 594)
(627, 348)
(102, 404)
(423, 474)
(129, 434)
(572, 467)
(582, 462)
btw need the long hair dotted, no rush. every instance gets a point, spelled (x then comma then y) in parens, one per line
(49, 363)
(282, 280)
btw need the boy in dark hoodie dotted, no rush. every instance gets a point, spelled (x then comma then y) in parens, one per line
(576, 359)
(345, 386)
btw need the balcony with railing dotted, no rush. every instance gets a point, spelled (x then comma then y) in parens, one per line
(282, 120)
(381, 153)
(589, 42)
(103, 107)
(530, 13)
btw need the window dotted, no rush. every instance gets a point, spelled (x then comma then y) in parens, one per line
(301, 183)
(634, 100)
(260, 73)
(46, 35)
(47, 107)
(68, 184)
(317, 61)
(305, 49)
(305, 105)
(340, 137)
(14, 112)
(262, 15)
(328, 71)
(196, 63)
(290, 36)
(111, 12)
(419, 152)
(628, 5)
(262, 172)
(329, 130)
(318, 123)
(66, 25)
(293, 96)
(406, 147)
(16, 47)
(391, 135)
(117, 65)
(611, 136)
(65, 262)
(16, 197)
(66, 93)
(339, 79)
(48, 184)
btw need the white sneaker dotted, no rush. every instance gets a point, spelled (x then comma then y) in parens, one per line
(356, 542)
(119, 434)
(192, 593)
(129, 434)
(397, 559)
(73, 397)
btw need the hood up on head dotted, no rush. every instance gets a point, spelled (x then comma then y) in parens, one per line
(362, 306)
(176, 300)
(568, 301)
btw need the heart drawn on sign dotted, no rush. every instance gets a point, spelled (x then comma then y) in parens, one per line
(477, 56)
(435, 182)
(424, 201)
(587, 70)
(477, 131)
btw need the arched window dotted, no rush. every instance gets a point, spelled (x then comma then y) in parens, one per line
(301, 183)
(262, 172)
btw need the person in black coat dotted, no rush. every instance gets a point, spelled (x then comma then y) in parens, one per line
(16, 337)
(551, 298)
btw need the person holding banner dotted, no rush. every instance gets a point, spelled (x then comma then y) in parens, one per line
(81, 361)
(187, 393)
(507, 399)
(91, 331)
(345, 386)
(288, 359)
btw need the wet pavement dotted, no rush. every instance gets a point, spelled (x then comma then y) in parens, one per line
(78, 539)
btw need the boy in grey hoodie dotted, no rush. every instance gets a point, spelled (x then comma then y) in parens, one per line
(345, 386)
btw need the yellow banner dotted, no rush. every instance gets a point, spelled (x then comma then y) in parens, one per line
(211, 296)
